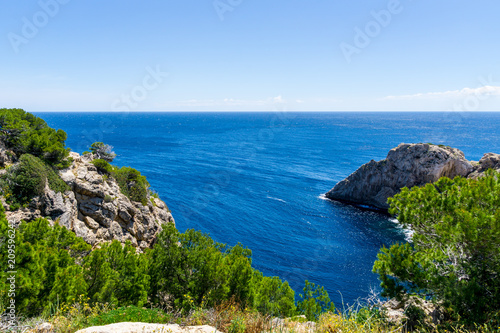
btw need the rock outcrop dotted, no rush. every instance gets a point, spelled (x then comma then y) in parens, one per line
(407, 165)
(95, 209)
(149, 328)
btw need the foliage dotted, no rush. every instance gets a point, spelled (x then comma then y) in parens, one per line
(132, 184)
(46, 265)
(455, 254)
(103, 166)
(25, 133)
(314, 301)
(130, 314)
(28, 178)
(103, 151)
(274, 297)
(192, 270)
(117, 274)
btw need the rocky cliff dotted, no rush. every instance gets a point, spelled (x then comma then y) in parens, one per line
(95, 209)
(407, 165)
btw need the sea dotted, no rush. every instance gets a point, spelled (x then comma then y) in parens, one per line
(259, 179)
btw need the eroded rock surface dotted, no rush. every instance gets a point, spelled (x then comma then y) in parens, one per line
(149, 328)
(95, 209)
(407, 165)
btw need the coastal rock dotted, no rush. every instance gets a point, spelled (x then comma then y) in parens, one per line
(148, 328)
(95, 209)
(396, 310)
(407, 165)
(488, 161)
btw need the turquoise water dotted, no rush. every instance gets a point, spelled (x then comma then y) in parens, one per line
(257, 178)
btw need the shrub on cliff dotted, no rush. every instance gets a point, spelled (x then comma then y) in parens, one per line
(103, 166)
(25, 133)
(28, 178)
(455, 253)
(132, 184)
(103, 151)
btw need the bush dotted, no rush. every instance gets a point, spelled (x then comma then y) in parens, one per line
(103, 166)
(455, 253)
(28, 178)
(314, 301)
(132, 184)
(103, 151)
(25, 133)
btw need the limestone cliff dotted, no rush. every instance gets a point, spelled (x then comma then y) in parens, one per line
(407, 165)
(95, 209)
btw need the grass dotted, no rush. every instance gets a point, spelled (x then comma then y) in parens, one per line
(230, 318)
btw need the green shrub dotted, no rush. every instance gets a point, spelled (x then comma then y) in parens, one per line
(455, 253)
(132, 184)
(103, 166)
(103, 151)
(314, 301)
(28, 178)
(25, 133)
(108, 198)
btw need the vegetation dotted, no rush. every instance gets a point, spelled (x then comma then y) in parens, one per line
(103, 151)
(132, 184)
(183, 272)
(25, 133)
(28, 179)
(188, 278)
(455, 254)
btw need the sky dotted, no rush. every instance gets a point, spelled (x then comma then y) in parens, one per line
(250, 55)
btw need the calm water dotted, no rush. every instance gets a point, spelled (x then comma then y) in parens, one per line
(257, 178)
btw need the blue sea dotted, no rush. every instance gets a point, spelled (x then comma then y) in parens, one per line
(258, 179)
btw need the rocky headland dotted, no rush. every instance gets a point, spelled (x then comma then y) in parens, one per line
(94, 208)
(407, 165)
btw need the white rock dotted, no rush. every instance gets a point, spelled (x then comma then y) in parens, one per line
(148, 328)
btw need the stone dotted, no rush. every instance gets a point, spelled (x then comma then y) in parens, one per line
(91, 223)
(44, 328)
(148, 328)
(407, 165)
(86, 211)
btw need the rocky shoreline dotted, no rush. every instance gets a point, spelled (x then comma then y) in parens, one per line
(407, 165)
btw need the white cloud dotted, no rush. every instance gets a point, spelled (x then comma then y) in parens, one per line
(481, 91)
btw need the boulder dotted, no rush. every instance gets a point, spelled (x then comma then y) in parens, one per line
(148, 328)
(407, 165)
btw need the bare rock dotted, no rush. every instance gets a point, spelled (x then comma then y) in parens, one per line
(488, 161)
(407, 165)
(148, 328)
(395, 310)
(95, 209)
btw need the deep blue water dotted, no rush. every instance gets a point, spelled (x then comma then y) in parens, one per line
(257, 178)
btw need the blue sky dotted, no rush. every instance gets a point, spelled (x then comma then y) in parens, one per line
(250, 55)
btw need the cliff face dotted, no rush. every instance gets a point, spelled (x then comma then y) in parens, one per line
(95, 209)
(407, 165)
